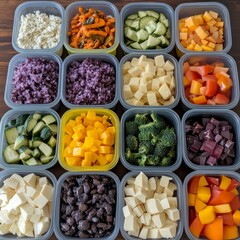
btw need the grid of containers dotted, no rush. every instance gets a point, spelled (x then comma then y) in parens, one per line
(183, 10)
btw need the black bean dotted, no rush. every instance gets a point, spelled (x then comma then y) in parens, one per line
(82, 206)
(102, 225)
(100, 212)
(96, 182)
(64, 227)
(112, 193)
(71, 200)
(69, 209)
(95, 219)
(110, 199)
(81, 234)
(93, 191)
(63, 208)
(108, 208)
(86, 187)
(95, 198)
(94, 227)
(70, 220)
(84, 198)
(71, 232)
(83, 225)
(100, 188)
(109, 218)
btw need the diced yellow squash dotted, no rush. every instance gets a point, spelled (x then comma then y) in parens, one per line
(109, 140)
(207, 16)
(67, 152)
(78, 152)
(105, 149)
(73, 161)
(69, 130)
(71, 123)
(206, 48)
(213, 14)
(73, 144)
(204, 42)
(89, 156)
(198, 48)
(109, 157)
(88, 142)
(190, 47)
(191, 23)
(79, 120)
(67, 139)
(200, 32)
(92, 133)
(183, 36)
(91, 115)
(86, 163)
(102, 159)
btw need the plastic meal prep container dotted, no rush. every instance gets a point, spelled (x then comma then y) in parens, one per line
(189, 9)
(43, 173)
(227, 115)
(172, 119)
(129, 57)
(59, 234)
(79, 58)
(178, 194)
(13, 114)
(72, 114)
(132, 8)
(228, 61)
(47, 7)
(14, 62)
(105, 6)
(205, 173)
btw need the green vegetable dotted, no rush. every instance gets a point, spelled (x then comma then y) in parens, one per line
(141, 119)
(131, 128)
(132, 142)
(166, 161)
(11, 155)
(168, 137)
(11, 135)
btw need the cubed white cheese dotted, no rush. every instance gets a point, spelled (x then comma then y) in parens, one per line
(141, 181)
(138, 211)
(40, 201)
(131, 223)
(153, 233)
(164, 91)
(160, 72)
(155, 84)
(173, 214)
(152, 183)
(164, 181)
(141, 195)
(11, 183)
(31, 179)
(168, 66)
(168, 231)
(159, 220)
(127, 92)
(127, 210)
(26, 211)
(148, 76)
(129, 190)
(134, 83)
(147, 218)
(150, 68)
(134, 202)
(142, 61)
(134, 62)
(36, 216)
(6, 217)
(138, 94)
(130, 180)
(153, 206)
(40, 228)
(4, 228)
(126, 78)
(165, 203)
(152, 98)
(144, 233)
(159, 60)
(135, 71)
(126, 66)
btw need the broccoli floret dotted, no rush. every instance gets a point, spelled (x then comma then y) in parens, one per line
(141, 118)
(172, 152)
(152, 160)
(142, 160)
(149, 128)
(159, 121)
(132, 142)
(168, 137)
(160, 150)
(166, 161)
(132, 157)
(145, 147)
(142, 136)
(131, 128)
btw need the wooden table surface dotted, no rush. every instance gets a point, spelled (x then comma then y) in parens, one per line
(7, 9)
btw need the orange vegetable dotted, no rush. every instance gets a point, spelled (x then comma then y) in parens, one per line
(236, 217)
(199, 100)
(207, 215)
(230, 232)
(199, 205)
(91, 29)
(195, 87)
(196, 227)
(89, 140)
(204, 194)
(227, 219)
(202, 182)
(221, 99)
(222, 208)
(193, 185)
(191, 199)
(214, 230)
(225, 182)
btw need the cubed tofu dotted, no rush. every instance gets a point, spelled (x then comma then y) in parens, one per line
(134, 83)
(153, 233)
(4, 228)
(36, 216)
(142, 61)
(135, 71)
(26, 211)
(148, 76)
(169, 101)
(155, 84)
(126, 78)
(141, 195)
(152, 183)
(40, 201)
(127, 210)
(134, 202)
(165, 203)
(11, 183)
(160, 196)
(159, 187)
(141, 180)
(134, 62)
(13, 229)
(147, 218)
(138, 210)
(150, 68)
(129, 190)
(47, 191)
(30, 191)
(6, 217)
(127, 92)
(159, 61)
(173, 202)
(143, 85)
(153, 206)
(152, 98)
(40, 228)
(164, 79)
(45, 212)
(136, 102)
(144, 233)
(173, 214)
(160, 72)
(131, 223)
(172, 83)
(168, 66)
(130, 181)
(164, 181)
(31, 179)
(164, 91)
(159, 220)
(141, 220)
(168, 231)
(126, 66)
(138, 95)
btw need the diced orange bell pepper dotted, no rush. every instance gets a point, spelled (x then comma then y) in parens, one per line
(220, 197)
(236, 217)
(195, 87)
(204, 194)
(196, 227)
(199, 100)
(191, 199)
(234, 184)
(190, 75)
(222, 208)
(214, 230)
(227, 219)
(235, 203)
(225, 182)
(235, 191)
(221, 99)
(212, 87)
(207, 215)
(202, 182)
(230, 232)
(202, 70)
(199, 205)
(193, 185)
(224, 84)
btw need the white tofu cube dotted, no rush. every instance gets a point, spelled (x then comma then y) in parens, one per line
(135, 71)
(127, 210)
(153, 233)
(159, 220)
(168, 231)
(134, 83)
(126, 66)
(138, 94)
(170, 222)
(160, 196)
(164, 91)
(160, 188)
(36, 216)
(129, 190)
(13, 229)
(173, 214)
(165, 203)
(4, 228)
(164, 79)
(159, 60)
(40, 201)
(160, 72)
(143, 85)
(170, 74)
(16, 201)
(148, 76)
(173, 202)
(30, 191)
(40, 228)
(138, 211)
(152, 183)
(141, 220)
(126, 78)
(155, 84)
(141, 180)
(170, 101)
(144, 233)
(152, 98)
(130, 181)
(168, 66)
(136, 102)
(134, 62)
(18, 178)
(6, 217)
(147, 218)
(150, 68)
(142, 61)
(141, 195)
(45, 211)
(131, 223)
(172, 83)
(127, 92)
(134, 202)
(153, 206)
(31, 179)
(164, 181)
(26, 211)
(11, 183)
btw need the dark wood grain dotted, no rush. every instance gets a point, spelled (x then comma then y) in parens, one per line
(7, 9)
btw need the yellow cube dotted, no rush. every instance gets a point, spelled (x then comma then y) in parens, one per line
(91, 115)
(67, 152)
(78, 152)
(109, 157)
(86, 163)
(73, 161)
(69, 130)
(102, 159)
(88, 143)
(67, 139)
(88, 156)
(105, 149)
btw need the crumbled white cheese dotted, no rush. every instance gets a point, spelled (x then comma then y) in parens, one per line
(39, 31)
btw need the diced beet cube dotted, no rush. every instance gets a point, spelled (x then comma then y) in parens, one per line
(214, 121)
(191, 155)
(217, 151)
(197, 128)
(209, 146)
(227, 127)
(216, 130)
(205, 154)
(211, 161)
(210, 126)
(229, 160)
(218, 138)
(223, 156)
(223, 141)
(226, 134)
(201, 135)
(223, 123)
(229, 144)
(208, 135)
(205, 120)
(232, 153)
(188, 128)
(202, 160)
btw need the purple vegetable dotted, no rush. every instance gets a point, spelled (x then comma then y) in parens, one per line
(209, 146)
(90, 82)
(217, 151)
(210, 126)
(35, 81)
(212, 161)
(214, 121)
(218, 138)
(227, 134)
(197, 128)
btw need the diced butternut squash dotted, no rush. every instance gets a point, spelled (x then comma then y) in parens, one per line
(214, 230)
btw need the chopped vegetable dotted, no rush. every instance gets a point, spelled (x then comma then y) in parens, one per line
(153, 144)
(35, 81)
(202, 32)
(217, 212)
(90, 82)
(91, 29)
(210, 141)
(89, 140)
(147, 30)
(207, 84)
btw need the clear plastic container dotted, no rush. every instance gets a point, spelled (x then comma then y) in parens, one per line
(13, 114)
(129, 57)
(132, 8)
(189, 9)
(48, 7)
(227, 115)
(110, 59)
(72, 114)
(228, 61)
(172, 119)
(208, 173)
(105, 6)
(14, 62)
(178, 194)
(43, 173)
(59, 234)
